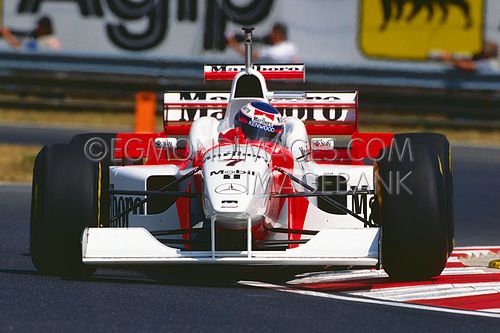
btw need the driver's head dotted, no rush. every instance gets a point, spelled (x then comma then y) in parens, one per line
(259, 121)
(279, 33)
(44, 27)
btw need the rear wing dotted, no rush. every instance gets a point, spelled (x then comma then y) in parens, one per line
(270, 72)
(323, 113)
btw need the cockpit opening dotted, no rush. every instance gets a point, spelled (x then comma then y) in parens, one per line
(248, 86)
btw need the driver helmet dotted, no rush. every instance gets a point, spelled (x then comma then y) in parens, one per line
(259, 121)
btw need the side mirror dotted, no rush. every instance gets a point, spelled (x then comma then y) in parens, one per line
(166, 143)
(300, 150)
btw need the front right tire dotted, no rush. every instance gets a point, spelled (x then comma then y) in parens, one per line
(442, 148)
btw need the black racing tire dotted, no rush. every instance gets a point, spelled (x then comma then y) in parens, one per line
(443, 149)
(84, 141)
(100, 146)
(65, 200)
(414, 241)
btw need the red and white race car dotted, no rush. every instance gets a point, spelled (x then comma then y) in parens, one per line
(246, 177)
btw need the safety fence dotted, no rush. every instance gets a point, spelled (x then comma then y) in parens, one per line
(92, 82)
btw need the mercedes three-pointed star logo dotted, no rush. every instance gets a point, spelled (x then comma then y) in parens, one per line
(230, 188)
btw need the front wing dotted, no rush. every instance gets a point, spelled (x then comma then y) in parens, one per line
(136, 246)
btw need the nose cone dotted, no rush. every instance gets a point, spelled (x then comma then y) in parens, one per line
(236, 184)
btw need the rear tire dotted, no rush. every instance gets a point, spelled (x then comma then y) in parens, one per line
(65, 200)
(414, 229)
(83, 141)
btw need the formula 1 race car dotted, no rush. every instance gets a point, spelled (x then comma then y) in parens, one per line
(246, 177)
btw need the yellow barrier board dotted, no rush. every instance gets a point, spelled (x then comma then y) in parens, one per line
(413, 29)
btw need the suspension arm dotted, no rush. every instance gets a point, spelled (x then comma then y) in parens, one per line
(329, 200)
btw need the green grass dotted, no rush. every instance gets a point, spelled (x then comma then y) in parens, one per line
(16, 163)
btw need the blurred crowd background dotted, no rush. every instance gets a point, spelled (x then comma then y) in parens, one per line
(356, 33)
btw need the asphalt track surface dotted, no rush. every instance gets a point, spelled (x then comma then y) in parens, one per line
(200, 300)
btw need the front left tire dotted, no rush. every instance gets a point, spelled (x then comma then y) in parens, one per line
(413, 216)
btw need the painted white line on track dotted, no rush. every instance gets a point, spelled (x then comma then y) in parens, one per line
(465, 271)
(336, 276)
(258, 284)
(363, 274)
(469, 248)
(434, 291)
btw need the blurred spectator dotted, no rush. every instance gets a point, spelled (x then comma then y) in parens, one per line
(41, 39)
(485, 61)
(279, 50)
